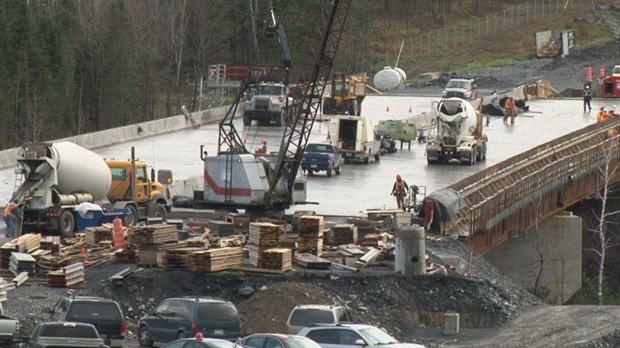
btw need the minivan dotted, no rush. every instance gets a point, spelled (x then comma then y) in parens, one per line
(308, 315)
(181, 317)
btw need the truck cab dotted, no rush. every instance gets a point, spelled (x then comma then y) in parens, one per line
(266, 102)
(149, 198)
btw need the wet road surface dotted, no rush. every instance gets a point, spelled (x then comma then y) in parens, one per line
(360, 186)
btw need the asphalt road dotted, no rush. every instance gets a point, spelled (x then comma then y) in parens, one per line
(360, 186)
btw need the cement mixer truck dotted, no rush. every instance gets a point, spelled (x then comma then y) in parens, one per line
(457, 133)
(67, 188)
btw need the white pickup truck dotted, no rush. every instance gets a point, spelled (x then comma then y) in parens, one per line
(9, 330)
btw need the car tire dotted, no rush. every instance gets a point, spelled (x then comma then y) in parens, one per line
(181, 335)
(377, 157)
(339, 169)
(144, 337)
(329, 171)
(310, 172)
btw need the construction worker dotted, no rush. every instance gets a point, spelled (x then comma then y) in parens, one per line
(11, 215)
(399, 190)
(587, 98)
(601, 116)
(511, 110)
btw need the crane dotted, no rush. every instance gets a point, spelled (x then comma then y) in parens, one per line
(236, 178)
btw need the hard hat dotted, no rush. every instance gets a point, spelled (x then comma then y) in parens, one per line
(602, 108)
(397, 177)
(613, 108)
(16, 200)
(199, 336)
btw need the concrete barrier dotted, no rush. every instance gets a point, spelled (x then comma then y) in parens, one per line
(117, 135)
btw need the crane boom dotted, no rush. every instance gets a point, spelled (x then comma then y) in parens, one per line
(328, 26)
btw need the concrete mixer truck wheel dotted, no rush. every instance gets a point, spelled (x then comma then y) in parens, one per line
(66, 223)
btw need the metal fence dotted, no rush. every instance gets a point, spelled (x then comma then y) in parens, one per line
(463, 33)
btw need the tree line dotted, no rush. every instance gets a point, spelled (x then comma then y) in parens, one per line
(76, 66)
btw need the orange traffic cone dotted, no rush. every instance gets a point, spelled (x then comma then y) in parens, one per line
(83, 252)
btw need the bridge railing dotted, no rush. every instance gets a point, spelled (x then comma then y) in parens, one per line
(513, 195)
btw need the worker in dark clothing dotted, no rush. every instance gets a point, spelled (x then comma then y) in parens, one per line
(399, 190)
(587, 98)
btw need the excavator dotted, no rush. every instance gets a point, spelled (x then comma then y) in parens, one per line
(235, 178)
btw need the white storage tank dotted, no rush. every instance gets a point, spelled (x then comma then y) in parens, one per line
(80, 170)
(390, 78)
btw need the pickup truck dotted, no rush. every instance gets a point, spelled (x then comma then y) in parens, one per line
(9, 330)
(322, 157)
(66, 335)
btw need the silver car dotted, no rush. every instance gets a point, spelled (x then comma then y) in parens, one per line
(353, 336)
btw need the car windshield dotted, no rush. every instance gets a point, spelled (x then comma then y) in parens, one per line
(217, 311)
(457, 84)
(270, 90)
(377, 336)
(300, 342)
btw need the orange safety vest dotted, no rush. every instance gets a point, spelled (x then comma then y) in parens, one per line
(400, 187)
(510, 104)
(8, 210)
(601, 116)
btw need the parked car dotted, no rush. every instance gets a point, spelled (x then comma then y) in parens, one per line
(199, 342)
(182, 317)
(105, 314)
(54, 334)
(306, 315)
(9, 330)
(322, 157)
(461, 88)
(274, 340)
(353, 336)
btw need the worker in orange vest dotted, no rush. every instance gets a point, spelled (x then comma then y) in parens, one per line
(602, 114)
(11, 215)
(511, 110)
(399, 190)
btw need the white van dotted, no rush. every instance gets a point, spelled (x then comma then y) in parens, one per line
(355, 138)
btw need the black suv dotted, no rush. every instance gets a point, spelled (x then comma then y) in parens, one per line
(181, 317)
(105, 314)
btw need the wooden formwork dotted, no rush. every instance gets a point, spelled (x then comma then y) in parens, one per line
(507, 198)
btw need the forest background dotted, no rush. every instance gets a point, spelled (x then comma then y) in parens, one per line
(70, 67)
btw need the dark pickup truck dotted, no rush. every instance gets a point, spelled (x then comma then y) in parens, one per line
(322, 157)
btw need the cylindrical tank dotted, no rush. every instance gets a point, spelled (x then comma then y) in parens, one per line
(410, 252)
(80, 170)
(390, 78)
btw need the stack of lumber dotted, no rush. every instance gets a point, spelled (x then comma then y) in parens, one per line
(312, 261)
(155, 254)
(262, 236)
(214, 260)
(153, 234)
(276, 258)
(179, 258)
(48, 263)
(98, 234)
(22, 262)
(310, 237)
(51, 243)
(23, 244)
(66, 276)
(345, 234)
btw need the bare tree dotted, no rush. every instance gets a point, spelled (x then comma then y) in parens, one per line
(608, 169)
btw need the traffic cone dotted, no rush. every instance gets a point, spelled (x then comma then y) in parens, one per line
(410, 109)
(245, 140)
(387, 109)
(83, 252)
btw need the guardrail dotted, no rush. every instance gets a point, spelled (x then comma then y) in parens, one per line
(513, 195)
